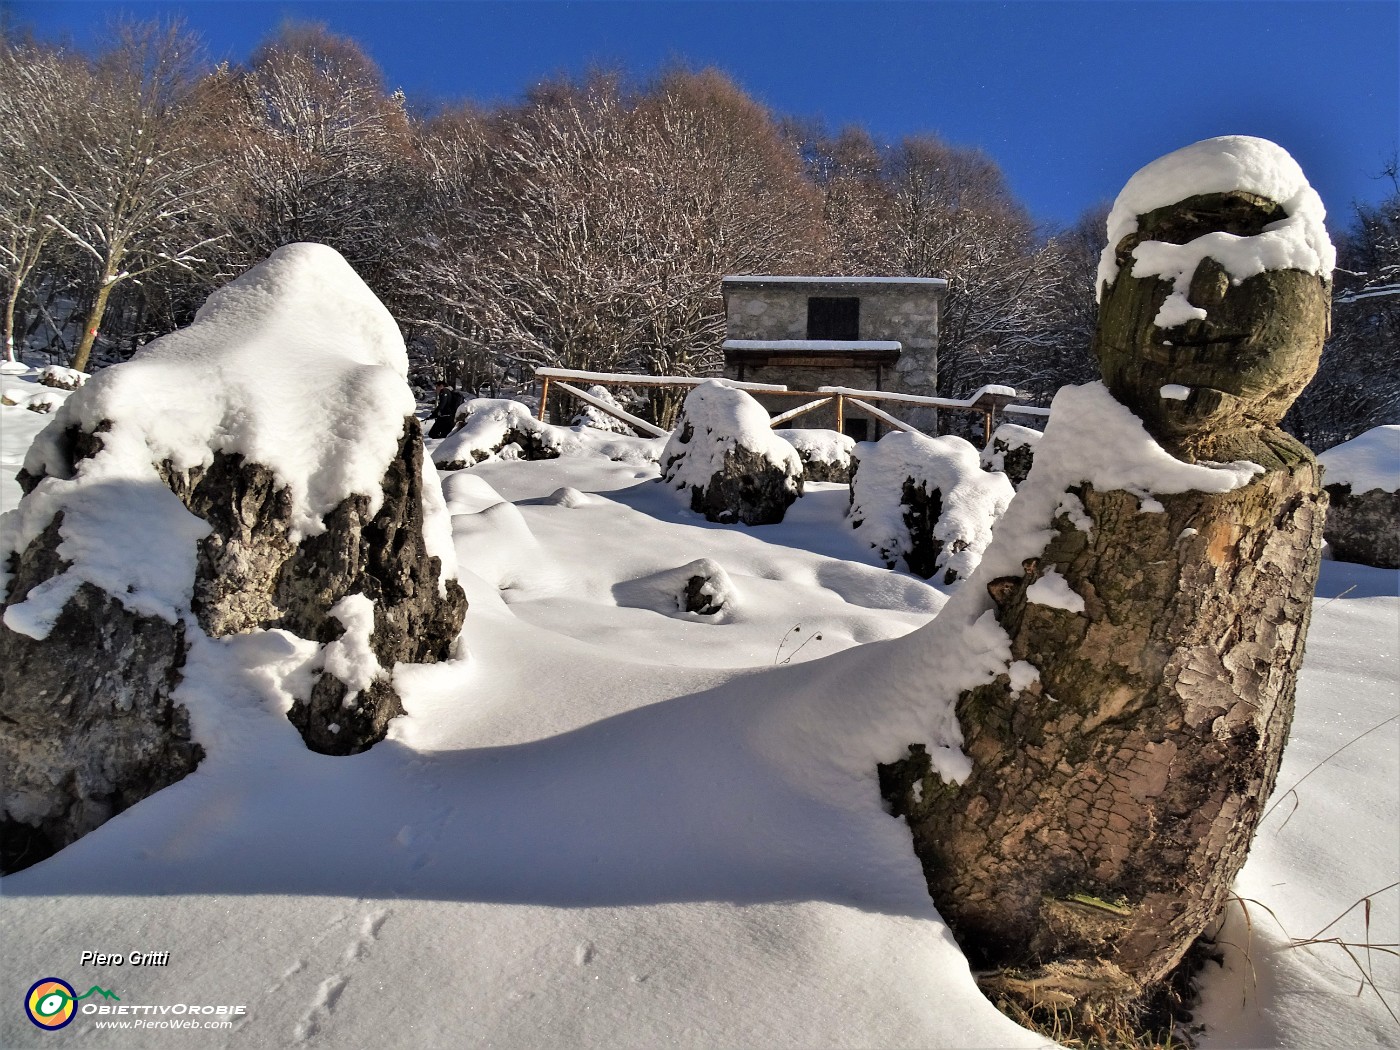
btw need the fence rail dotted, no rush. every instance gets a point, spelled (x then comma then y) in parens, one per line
(989, 401)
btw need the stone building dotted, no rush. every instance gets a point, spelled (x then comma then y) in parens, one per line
(868, 333)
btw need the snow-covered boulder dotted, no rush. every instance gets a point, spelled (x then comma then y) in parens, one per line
(1362, 478)
(595, 418)
(260, 469)
(826, 454)
(63, 378)
(492, 425)
(726, 456)
(1011, 451)
(497, 428)
(928, 501)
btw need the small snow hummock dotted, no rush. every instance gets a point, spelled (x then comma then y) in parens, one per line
(1366, 463)
(63, 378)
(1175, 392)
(1054, 590)
(722, 419)
(1232, 162)
(971, 498)
(1023, 675)
(821, 446)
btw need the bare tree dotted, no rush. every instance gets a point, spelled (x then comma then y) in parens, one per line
(1357, 386)
(39, 89)
(320, 148)
(133, 187)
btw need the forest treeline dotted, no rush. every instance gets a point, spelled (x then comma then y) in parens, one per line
(586, 226)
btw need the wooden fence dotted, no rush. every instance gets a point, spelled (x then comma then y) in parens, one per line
(990, 402)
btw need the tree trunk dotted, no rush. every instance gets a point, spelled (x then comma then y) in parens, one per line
(1113, 800)
(10, 302)
(94, 321)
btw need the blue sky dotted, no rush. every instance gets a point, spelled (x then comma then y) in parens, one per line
(1070, 98)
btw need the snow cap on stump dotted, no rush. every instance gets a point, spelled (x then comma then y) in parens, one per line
(1214, 297)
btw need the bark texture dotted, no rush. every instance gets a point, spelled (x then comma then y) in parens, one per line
(1116, 785)
(1112, 801)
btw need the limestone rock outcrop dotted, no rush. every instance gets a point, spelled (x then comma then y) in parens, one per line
(723, 454)
(927, 502)
(174, 499)
(1362, 477)
(1011, 451)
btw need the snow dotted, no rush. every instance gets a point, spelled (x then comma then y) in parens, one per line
(818, 445)
(721, 419)
(621, 825)
(591, 416)
(1366, 463)
(325, 419)
(488, 420)
(351, 657)
(789, 279)
(1231, 162)
(1005, 438)
(972, 498)
(1175, 392)
(295, 365)
(1053, 590)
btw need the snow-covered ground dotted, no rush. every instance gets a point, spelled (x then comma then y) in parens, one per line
(578, 836)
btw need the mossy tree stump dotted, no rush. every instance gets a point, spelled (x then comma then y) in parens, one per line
(1113, 799)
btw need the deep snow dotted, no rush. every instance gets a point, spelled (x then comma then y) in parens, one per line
(593, 832)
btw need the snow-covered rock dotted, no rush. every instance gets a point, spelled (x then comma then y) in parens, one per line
(497, 428)
(826, 454)
(260, 469)
(595, 418)
(1011, 451)
(1362, 478)
(63, 378)
(725, 455)
(928, 501)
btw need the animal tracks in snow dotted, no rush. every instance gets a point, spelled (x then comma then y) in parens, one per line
(329, 992)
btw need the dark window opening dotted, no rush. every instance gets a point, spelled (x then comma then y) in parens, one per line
(833, 318)
(856, 429)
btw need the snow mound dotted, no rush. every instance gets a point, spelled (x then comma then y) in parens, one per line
(964, 501)
(595, 418)
(723, 419)
(1371, 461)
(63, 378)
(494, 425)
(295, 365)
(1219, 165)
(826, 454)
(1007, 438)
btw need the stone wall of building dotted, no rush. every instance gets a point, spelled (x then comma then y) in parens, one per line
(902, 310)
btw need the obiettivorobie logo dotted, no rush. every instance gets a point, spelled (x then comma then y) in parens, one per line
(51, 1003)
